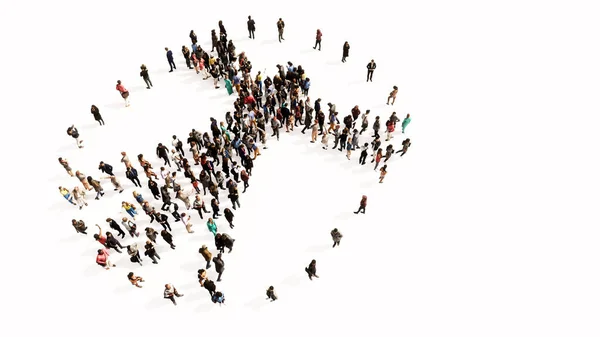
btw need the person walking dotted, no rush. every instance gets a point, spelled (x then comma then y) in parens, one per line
(336, 236)
(144, 74)
(186, 55)
(212, 226)
(219, 266)
(134, 279)
(67, 195)
(251, 27)
(363, 154)
(150, 251)
(79, 196)
(193, 37)
(130, 227)
(392, 96)
(229, 217)
(72, 131)
(311, 270)
(132, 175)
(170, 59)
(383, 172)
(102, 259)
(79, 226)
(271, 294)
(345, 51)
(318, 40)
(168, 238)
(66, 166)
(280, 27)
(206, 254)
(377, 158)
(370, 69)
(96, 186)
(405, 146)
(405, 122)
(363, 205)
(96, 113)
(170, 293)
(134, 253)
(124, 92)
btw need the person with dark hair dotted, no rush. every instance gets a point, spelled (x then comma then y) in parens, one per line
(102, 259)
(311, 270)
(170, 59)
(251, 27)
(271, 294)
(134, 279)
(363, 205)
(336, 236)
(96, 112)
(219, 266)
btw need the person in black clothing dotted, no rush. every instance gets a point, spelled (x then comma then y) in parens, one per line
(178, 145)
(251, 27)
(106, 168)
(186, 55)
(153, 186)
(144, 74)
(214, 204)
(280, 27)
(132, 175)
(112, 242)
(346, 51)
(210, 286)
(219, 266)
(311, 270)
(97, 116)
(271, 294)
(114, 225)
(163, 153)
(193, 37)
(163, 219)
(168, 238)
(229, 217)
(363, 154)
(170, 59)
(151, 252)
(370, 69)
(166, 198)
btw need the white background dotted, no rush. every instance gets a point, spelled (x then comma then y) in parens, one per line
(487, 227)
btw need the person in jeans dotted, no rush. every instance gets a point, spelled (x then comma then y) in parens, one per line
(170, 59)
(170, 293)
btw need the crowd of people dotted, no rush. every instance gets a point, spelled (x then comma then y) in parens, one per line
(225, 155)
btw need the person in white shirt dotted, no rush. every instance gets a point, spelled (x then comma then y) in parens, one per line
(170, 293)
(187, 221)
(176, 158)
(178, 145)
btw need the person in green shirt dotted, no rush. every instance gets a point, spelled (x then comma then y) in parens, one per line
(405, 122)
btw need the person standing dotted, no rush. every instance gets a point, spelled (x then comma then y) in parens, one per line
(97, 187)
(162, 152)
(363, 205)
(170, 293)
(392, 96)
(370, 69)
(271, 294)
(280, 27)
(130, 226)
(251, 27)
(377, 158)
(96, 112)
(114, 225)
(79, 196)
(187, 222)
(336, 236)
(151, 234)
(170, 59)
(124, 92)
(144, 74)
(405, 122)
(311, 270)
(186, 55)
(193, 37)
(219, 266)
(133, 251)
(345, 51)
(318, 40)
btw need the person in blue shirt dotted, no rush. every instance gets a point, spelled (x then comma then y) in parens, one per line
(170, 59)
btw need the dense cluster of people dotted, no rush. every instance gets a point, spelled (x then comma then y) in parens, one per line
(225, 155)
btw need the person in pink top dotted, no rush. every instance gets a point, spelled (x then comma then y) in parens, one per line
(124, 93)
(318, 39)
(102, 259)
